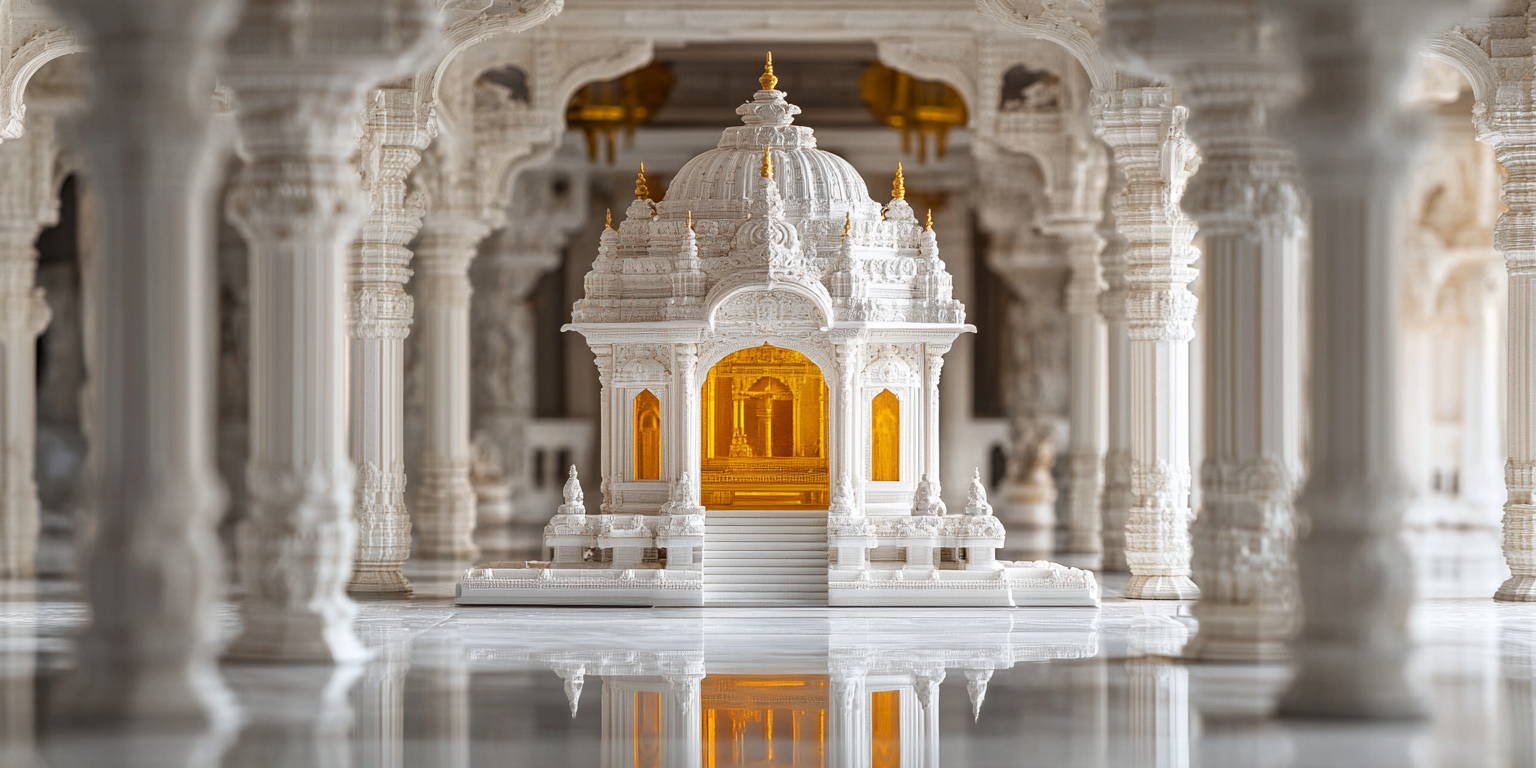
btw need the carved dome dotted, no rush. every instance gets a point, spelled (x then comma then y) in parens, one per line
(813, 183)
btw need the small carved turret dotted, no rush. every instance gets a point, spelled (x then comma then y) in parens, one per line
(575, 502)
(926, 500)
(976, 499)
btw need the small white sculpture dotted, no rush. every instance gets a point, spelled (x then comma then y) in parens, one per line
(683, 498)
(575, 502)
(926, 501)
(844, 501)
(976, 499)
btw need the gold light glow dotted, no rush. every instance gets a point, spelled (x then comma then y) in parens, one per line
(926, 110)
(602, 111)
(885, 437)
(647, 729)
(764, 414)
(647, 436)
(885, 729)
(764, 722)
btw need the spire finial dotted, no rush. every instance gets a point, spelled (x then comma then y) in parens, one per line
(928, 225)
(768, 81)
(767, 169)
(847, 223)
(642, 192)
(690, 219)
(609, 225)
(899, 186)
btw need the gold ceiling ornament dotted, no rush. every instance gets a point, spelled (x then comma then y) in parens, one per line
(847, 223)
(899, 186)
(924, 109)
(768, 81)
(602, 110)
(642, 192)
(767, 169)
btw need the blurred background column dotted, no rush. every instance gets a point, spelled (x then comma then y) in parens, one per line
(148, 653)
(299, 70)
(1351, 134)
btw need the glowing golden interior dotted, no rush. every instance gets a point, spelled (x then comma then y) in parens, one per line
(764, 722)
(647, 436)
(885, 729)
(885, 437)
(647, 729)
(764, 414)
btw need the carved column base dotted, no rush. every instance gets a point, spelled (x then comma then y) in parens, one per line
(1520, 553)
(383, 532)
(445, 509)
(1157, 551)
(1250, 634)
(281, 633)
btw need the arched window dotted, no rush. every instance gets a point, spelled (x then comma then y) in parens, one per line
(885, 437)
(647, 436)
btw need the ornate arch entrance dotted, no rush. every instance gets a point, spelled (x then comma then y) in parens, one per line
(764, 431)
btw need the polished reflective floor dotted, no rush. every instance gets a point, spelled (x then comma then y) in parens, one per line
(485, 686)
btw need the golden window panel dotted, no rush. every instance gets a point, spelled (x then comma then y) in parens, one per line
(647, 436)
(648, 735)
(764, 721)
(885, 437)
(885, 729)
(764, 432)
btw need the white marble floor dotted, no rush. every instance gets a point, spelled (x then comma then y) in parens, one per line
(455, 687)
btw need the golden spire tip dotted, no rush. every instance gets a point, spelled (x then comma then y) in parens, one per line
(847, 223)
(690, 219)
(642, 192)
(928, 225)
(609, 226)
(768, 81)
(767, 168)
(899, 186)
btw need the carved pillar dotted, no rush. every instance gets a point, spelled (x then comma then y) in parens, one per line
(1146, 132)
(1252, 216)
(934, 358)
(1351, 138)
(849, 350)
(602, 357)
(504, 364)
(300, 80)
(847, 720)
(1036, 381)
(445, 499)
(27, 204)
(685, 372)
(396, 130)
(1085, 452)
(148, 652)
(1115, 504)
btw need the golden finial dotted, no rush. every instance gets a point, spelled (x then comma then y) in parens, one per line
(642, 192)
(928, 225)
(768, 81)
(690, 219)
(847, 223)
(609, 226)
(899, 186)
(767, 169)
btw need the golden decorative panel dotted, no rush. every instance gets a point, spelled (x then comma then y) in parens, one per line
(764, 721)
(647, 436)
(885, 729)
(885, 437)
(764, 419)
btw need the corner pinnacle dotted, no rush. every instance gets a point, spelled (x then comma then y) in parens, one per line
(768, 81)
(690, 224)
(609, 226)
(928, 227)
(899, 186)
(642, 192)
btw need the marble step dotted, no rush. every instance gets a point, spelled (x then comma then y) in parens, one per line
(780, 537)
(716, 579)
(711, 544)
(756, 564)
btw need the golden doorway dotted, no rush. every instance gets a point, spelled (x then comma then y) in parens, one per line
(764, 425)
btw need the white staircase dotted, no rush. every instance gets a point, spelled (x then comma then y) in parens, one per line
(770, 558)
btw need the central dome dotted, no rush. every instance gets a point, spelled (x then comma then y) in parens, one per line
(813, 183)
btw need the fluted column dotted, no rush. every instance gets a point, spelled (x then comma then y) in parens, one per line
(397, 129)
(1145, 130)
(1247, 201)
(1085, 451)
(849, 351)
(445, 499)
(27, 204)
(933, 354)
(300, 79)
(1351, 139)
(1115, 503)
(148, 652)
